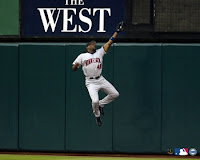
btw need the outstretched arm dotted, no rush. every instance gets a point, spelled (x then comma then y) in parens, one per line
(108, 44)
(120, 27)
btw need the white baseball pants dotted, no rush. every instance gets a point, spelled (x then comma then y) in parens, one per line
(93, 86)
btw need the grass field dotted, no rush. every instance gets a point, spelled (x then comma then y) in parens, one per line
(45, 157)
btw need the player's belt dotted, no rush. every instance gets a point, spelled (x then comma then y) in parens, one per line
(95, 77)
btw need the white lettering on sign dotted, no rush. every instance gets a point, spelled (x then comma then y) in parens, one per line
(67, 19)
(48, 18)
(50, 13)
(74, 2)
(102, 17)
(85, 19)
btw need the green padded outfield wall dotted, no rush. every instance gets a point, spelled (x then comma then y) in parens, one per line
(137, 112)
(42, 97)
(82, 132)
(45, 106)
(9, 17)
(8, 96)
(181, 96)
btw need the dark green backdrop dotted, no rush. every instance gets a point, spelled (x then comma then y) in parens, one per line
(9, 96)
(180, 96)
(42, 97)
(137, 112)
(45, 106)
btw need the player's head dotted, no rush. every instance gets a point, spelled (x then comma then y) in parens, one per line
(91, 47)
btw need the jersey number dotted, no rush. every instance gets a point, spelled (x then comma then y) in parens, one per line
(99, 66)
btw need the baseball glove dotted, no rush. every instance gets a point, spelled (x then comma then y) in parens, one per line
(120, 27)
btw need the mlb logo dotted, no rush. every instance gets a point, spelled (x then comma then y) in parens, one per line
(181, 151)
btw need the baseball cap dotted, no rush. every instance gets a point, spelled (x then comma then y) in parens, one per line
(92, 42)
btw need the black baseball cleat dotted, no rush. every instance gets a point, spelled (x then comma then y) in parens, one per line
(98, 120)
(101, 110)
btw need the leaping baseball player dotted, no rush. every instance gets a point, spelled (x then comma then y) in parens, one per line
(92, 64)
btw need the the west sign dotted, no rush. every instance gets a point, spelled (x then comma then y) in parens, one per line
(71, 17)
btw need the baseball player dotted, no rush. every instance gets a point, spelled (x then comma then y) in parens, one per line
(92, 63)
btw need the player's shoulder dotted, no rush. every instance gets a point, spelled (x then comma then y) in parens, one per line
(83, 54)
(101, 50)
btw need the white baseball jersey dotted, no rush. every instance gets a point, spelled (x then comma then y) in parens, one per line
(91, 62)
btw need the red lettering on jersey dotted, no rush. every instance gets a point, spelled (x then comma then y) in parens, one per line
(93, 60)
(98, 60)
(99, 66)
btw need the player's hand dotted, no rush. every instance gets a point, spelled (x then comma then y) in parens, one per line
(120, 27)
(75, 66)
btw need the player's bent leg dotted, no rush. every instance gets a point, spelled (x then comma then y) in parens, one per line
(108, 88)
(115, 94)
(109, 98)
